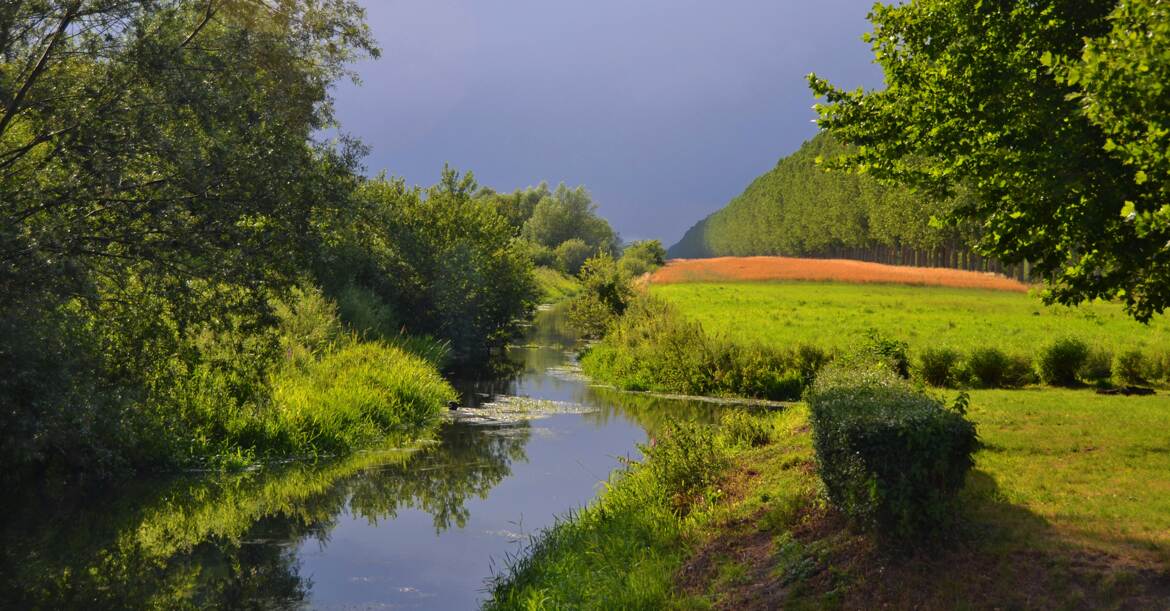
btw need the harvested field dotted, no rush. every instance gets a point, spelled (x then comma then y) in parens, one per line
(725, 269)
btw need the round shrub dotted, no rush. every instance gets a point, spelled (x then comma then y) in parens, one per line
(1129, 368)
(571, 255)
(992, 368)
(939, 366)
(1061, 362)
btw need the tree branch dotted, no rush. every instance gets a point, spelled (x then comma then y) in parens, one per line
(14, 103)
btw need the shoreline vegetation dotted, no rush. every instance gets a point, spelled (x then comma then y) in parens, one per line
(749, 528)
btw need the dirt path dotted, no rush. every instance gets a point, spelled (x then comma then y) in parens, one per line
(724, 269)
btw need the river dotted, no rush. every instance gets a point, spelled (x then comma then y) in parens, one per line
(420, 529)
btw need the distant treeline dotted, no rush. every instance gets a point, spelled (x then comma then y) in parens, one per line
(799, 209)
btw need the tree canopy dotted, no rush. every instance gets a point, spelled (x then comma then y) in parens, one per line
(1052, 115)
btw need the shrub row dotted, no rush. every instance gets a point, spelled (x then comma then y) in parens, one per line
(891, 457)
(652, 347)
(1064, 362)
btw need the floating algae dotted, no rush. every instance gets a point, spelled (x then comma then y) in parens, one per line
(516, 409)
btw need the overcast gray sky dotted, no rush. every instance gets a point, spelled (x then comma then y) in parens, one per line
(664, 109)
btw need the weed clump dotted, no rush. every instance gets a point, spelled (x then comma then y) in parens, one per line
(741, 428)
(1098, 367)
(1129, 368)
(1060, 363)
(683, 460)
(891, 458)
(878, 348)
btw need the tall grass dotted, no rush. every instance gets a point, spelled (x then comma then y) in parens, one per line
(361, 393)
(312, 387)
(622, 551)
(653, 347)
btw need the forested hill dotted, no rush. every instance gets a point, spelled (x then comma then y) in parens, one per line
(799, 209)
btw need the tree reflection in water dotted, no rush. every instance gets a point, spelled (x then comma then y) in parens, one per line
(231, 541)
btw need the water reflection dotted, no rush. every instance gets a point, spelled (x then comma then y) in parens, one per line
(230, 540)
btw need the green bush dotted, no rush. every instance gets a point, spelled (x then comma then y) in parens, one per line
(571, 255)
(642, 257)
(891, 458)
(1157, 366)
(683, 459)
(1129, 368)
(605, 295)
(1098, 367)
(939, 366)
(1060, 362)
(992, 368)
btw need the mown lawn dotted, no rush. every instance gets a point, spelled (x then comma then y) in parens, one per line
(1095, 468)
(836, 314)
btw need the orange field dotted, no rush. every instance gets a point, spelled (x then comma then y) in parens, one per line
(724, 269)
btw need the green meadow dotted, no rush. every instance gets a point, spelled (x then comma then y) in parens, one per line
(834, 315)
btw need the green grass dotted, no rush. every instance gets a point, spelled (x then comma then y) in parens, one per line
(623, 550)
(834, 315)
(362, 393)
(554, 285)
(1095, 467)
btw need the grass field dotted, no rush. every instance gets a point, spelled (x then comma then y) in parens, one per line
(837, 314)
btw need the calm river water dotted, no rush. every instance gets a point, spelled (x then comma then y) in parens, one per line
(420, 529)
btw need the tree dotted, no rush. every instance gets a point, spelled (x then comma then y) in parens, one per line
(1050, 115)
(571, 255)
(568, 214)
(445, 262)
(641, 257)
(169, 140)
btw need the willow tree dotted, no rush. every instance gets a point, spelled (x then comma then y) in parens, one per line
(1053, 116)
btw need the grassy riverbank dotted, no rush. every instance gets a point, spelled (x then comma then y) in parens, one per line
(1066, 507)
(553, 285)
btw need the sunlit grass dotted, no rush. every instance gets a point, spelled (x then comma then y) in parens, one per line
(836, 314)
(357, 395)
(555, 286)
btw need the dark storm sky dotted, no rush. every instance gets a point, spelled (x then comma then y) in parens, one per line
(664, 109)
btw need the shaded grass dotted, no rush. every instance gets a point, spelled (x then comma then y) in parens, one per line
(833, 315)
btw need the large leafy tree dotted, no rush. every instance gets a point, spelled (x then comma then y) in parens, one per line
(167, 140)
(1052, 116)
